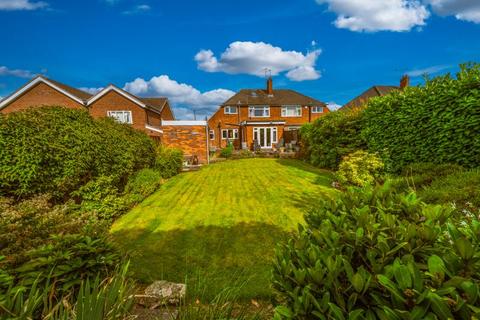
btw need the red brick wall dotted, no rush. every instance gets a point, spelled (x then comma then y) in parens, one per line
(113, 101)
(41, 94)
(192, 140)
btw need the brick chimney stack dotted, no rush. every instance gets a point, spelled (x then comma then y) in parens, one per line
(270, 86)
(404, 82)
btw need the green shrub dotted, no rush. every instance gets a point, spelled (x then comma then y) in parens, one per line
(57, 150)
(68, 260)
(29, 224)
(227, 151)
(419, 175)
(359, 169)
(169, 161)
(331, 137)
(375, 254)
(101, 198)
(437, 122)
(461, 189)
(141, 185)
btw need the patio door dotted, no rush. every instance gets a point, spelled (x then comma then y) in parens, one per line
(265, 136)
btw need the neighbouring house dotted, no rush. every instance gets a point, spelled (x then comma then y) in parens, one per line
(151, 115)
(375, 91)
(258, 119)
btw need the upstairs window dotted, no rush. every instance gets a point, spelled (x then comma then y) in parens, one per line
(259, 111)
(212, 134)
(291, 111)
(229, 134)
(230, 110)
(317, 109)
(121, 116)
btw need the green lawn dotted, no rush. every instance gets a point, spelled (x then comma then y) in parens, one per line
(219, 226)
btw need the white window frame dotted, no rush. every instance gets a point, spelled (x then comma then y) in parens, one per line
(316, 108)
(211, 134)
(228, 110)
(234, 135)
(265, 109)
(119, 115)
(273, 135)
(297, 111)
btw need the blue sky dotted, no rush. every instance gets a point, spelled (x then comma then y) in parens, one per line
(199, 52)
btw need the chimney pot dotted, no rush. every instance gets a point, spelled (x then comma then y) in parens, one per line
(404, 82)
(270, 86)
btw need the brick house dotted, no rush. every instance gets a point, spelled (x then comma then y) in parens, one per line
(375, 91)
(145, 114)
(262, 118)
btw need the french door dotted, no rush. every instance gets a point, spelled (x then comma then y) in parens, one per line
(265, 136)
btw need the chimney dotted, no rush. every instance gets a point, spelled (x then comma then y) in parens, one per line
(270, 86)
(404, 82)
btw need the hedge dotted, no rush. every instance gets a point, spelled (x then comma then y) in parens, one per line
(328, 139)
(438, 122)
(57, 150)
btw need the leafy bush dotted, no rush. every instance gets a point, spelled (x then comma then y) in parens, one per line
(227, 151)
(68, 260)
(360, 169)
(169, 161)
(461, 188)
(331, 137)
(436, 123)
(375, 254)
(141, 185)
(57, 150)
(29, 224)
(101, 198)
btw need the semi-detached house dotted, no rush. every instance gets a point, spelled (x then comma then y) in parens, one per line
(153, 115)
(262, 118)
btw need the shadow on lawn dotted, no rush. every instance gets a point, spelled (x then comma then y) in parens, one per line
(208, 258)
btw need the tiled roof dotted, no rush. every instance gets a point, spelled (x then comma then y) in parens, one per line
(74, 91)
(279, 97)
(375, 91)
(155, 103)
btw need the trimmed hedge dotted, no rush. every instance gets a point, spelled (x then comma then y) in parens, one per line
(328, 139)
(57, 150)
(438, 122)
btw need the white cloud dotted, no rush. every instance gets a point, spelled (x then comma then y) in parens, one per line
(142, 8)
(10, 5)
(377, 15)
(255, 57)
(184, 97)
(91, 90)
(4, 71)
(429, 70)
(333, 106)
(468, 10)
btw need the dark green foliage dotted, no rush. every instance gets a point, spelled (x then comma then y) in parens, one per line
(29, 224)
(141, 185)
(376, 254)
(327, 140)
(461, 189)
(227, 151)
(57, 150)
(168, 161)
(438, 122)
(416, 176)
(68, 260)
